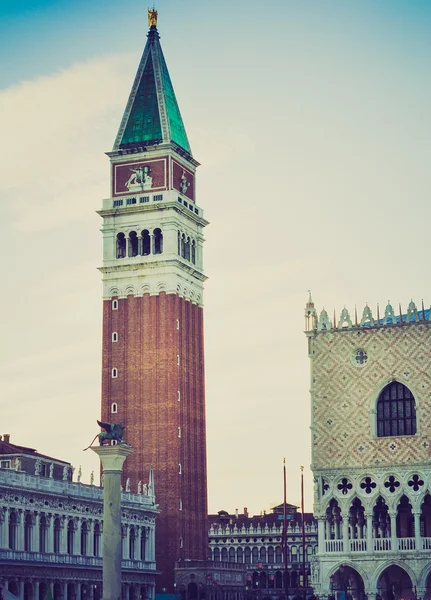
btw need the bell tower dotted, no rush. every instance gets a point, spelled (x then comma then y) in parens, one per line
(153, 338)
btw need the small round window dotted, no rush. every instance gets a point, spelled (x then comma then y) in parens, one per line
(360, 357)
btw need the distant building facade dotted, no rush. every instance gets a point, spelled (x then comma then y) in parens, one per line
(256, 543)
(371, 428)
(51, 528)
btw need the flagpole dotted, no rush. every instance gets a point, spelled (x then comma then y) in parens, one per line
(285, 549)
(303, 534)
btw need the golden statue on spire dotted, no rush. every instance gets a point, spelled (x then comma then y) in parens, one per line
(152, 17)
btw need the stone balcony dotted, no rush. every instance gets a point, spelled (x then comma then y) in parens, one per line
(409, 544)
(44, 558)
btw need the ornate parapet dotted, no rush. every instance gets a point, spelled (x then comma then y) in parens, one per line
(369, 320)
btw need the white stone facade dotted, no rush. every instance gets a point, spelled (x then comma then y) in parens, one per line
(371, 427)
(257, 545)
(135, 270)
(50, 536)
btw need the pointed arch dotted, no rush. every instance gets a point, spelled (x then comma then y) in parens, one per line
(396, 411)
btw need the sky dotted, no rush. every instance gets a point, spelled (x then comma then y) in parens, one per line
(312, 123)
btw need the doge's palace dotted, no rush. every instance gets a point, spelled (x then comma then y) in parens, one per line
(371, 425)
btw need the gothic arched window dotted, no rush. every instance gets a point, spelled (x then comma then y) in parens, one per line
(396, 411)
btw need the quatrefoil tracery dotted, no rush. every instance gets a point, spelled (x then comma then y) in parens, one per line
(344, 486)
(392, 484)
(368, 485)
(416, 483)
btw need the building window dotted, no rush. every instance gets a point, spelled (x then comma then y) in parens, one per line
(143, 543)
(114, 408)
(396, 411)
(114, 373)
(57, 533)
(157, 241)
(178, 323)
(132, 543)
(121, 245)
(181, 504)
(43, 533)
(194, 252)
(115, 336)
(28, 533)
(178, 359)
(187, 249)
(12, 530)
(180, 471)
(84, 537)
(96, 540)
(133, 244)
(5, 464)
(181, 543)
(70, 536)
(115, 305)
(179, 432)
(146, 242)
(179, 395)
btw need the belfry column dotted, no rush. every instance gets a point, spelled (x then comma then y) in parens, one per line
(112, 459)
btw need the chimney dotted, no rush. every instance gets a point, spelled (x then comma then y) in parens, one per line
(245, 511)
(6, 437)
(236, 512)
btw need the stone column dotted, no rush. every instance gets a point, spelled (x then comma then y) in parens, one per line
(321, 534)
(112, 458)
(127, 542)
(21, 589)
(90, 538)
(50, 533)
(418, 539)
(63, 535)
(36, 590)
(20, 521)
(370, 532)
(394, 540)
(35, 538)
(346, 531)
(4, 538)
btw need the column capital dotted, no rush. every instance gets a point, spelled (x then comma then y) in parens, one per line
(113, 457)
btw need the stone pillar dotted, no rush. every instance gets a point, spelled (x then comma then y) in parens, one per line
(394, 540)
(112, 458)
(36, 533)
(321, 534)
(78, 591)
(345, 517)
(20, 523)
(90, 538)
(4, 538)
(418, 539)
(63, 535)
(21, 590)
(36, 590)
(370, 532)
(50, 533)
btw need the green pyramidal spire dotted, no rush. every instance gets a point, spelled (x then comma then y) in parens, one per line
(152, 115)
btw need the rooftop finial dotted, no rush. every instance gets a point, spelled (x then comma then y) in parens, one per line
(152, 17)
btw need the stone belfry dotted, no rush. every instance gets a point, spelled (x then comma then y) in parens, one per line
(153, 337)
